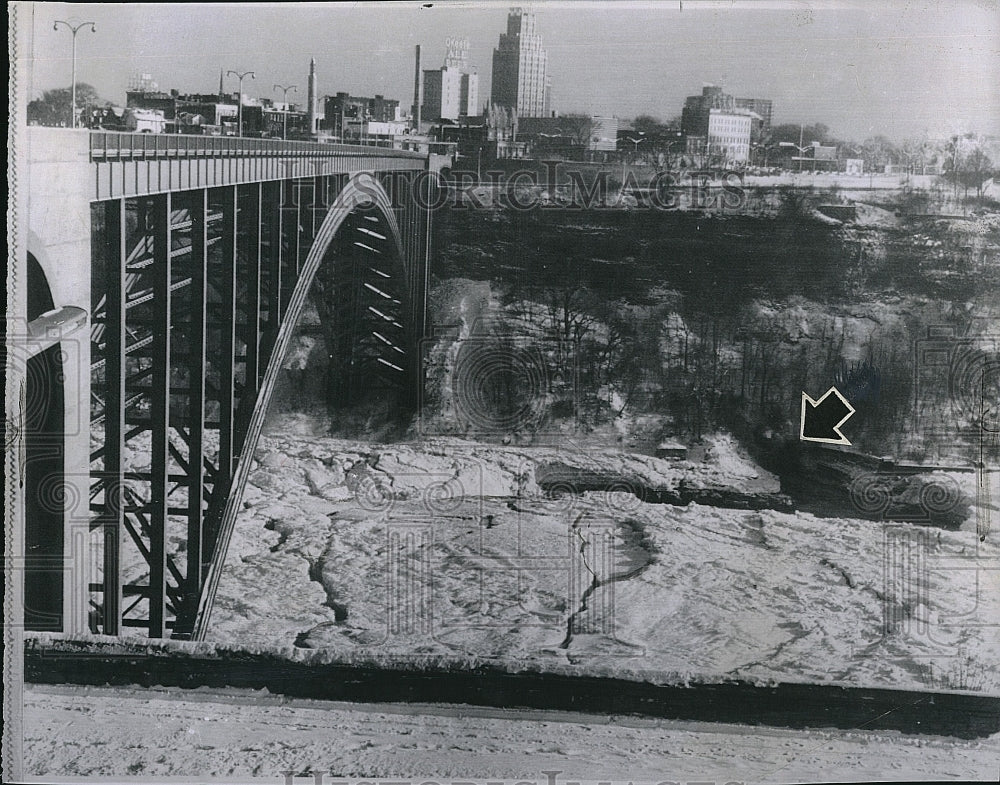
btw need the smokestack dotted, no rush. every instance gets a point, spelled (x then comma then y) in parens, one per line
(312, 96)
(418, 92)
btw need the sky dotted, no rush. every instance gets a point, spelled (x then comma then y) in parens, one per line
(863, 68)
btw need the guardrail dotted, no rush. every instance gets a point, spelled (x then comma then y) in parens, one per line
(118, 146)
(378, 678)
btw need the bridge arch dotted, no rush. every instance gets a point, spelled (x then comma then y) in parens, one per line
(362, 200)
(356, 272)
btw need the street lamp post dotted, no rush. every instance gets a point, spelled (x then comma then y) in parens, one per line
(239, 107)
(867, 161)
(954, 163)
(637, 142)
(800, 148)
(284, 123)
(766, 149)
(670, 149)
(553, 136)
(74, 29)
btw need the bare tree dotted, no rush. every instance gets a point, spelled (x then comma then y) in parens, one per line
(976, 169)
(578, 127)
(877, 152)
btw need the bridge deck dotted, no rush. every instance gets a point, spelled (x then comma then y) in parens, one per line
(127, 165)
(101, 165)
(116, 146)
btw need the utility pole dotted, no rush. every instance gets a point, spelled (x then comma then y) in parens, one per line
(74, 29)
(239, 107)
(284, 124)
(801, 149)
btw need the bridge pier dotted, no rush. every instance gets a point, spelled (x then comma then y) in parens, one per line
(59, 240)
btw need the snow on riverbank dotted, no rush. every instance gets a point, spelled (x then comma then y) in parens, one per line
(451, 548)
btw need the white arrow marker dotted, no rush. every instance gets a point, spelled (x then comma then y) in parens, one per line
(821, 420)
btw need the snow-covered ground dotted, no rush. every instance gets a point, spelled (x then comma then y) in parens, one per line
(451, 548)
(155, 733)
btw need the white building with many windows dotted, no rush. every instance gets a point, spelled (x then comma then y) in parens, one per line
(729, 135)
(451, 92)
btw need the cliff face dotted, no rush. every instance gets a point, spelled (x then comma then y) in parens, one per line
(671, 325)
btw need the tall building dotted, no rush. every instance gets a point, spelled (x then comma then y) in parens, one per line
(520, 67)
(451, 92)
(713, 97)
(729, 135)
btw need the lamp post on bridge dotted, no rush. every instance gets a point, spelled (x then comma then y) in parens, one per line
(74, 29)
(239, 106)
(284, 122)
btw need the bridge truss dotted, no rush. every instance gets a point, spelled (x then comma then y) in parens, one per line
(195, 297)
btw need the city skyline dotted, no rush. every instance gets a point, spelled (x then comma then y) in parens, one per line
(896, 70)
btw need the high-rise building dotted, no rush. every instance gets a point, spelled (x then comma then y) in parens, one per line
(696, 107)
(520, 67)
(451, 92)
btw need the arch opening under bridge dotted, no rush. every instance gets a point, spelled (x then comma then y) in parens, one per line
(43, 470)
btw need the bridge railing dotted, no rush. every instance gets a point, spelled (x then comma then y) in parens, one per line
(117, 146)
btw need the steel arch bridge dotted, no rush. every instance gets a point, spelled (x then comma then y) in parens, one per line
(200, 255)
